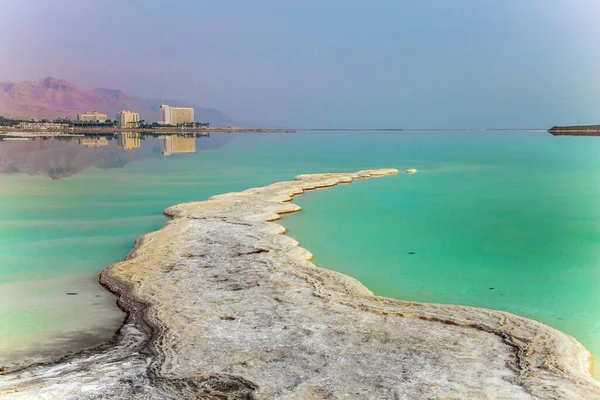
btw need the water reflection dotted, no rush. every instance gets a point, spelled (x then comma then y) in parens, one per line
(93, 141)
(61, 157)
(130, 141)
(178, 144)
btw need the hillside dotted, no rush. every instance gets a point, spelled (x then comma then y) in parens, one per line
(52, 98)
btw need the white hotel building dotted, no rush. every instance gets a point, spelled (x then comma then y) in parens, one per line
(128, 119)
(175, 115)
(92, 116)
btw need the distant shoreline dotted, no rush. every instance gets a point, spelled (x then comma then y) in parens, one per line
(416, 129)
(576, 130)
(84, 130)
(170, 130)
(583, 130)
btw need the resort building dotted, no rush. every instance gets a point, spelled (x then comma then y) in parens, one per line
(92, 116)
(130, 141)
(93, 141)
(178, 144)
(128, 119)
(175, 115)
(46, 126)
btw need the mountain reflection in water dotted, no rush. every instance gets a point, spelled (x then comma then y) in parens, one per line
(62, 157)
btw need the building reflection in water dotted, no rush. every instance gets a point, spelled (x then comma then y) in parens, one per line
(129, 141)
(62, 157)
(93, 141)
(178, 144)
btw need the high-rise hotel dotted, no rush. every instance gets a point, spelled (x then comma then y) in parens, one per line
(128, 119)
(175, 115)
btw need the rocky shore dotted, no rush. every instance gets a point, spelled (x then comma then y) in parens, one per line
(222, 305)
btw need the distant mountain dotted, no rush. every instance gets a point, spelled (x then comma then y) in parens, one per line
(52, 98)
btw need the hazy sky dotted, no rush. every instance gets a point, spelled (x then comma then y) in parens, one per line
(413, 63)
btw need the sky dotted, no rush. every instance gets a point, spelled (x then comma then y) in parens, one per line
(334, 63)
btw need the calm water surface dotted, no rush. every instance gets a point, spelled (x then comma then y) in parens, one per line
(504, 220)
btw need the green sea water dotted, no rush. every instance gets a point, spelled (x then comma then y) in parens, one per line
(503, 220)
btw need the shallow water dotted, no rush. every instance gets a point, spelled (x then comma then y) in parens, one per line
(505, 220)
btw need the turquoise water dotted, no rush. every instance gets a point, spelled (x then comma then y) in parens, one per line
(504, 220)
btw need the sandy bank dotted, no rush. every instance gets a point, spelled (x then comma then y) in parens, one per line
(222, 305)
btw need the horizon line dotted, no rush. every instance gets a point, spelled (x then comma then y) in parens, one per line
(417, 129)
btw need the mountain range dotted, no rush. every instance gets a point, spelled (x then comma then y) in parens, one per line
(52, 98)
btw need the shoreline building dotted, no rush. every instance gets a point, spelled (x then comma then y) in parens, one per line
(91, 116)
(168, 115)
(46, 126)
(128, 119)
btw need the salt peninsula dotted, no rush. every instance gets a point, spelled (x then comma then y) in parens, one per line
(222, 305)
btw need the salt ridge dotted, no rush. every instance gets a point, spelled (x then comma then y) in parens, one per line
(221, 303)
